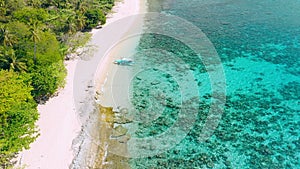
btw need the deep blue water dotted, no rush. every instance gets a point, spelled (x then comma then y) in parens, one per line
(258, 43)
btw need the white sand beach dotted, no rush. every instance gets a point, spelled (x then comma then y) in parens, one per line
(59, 123)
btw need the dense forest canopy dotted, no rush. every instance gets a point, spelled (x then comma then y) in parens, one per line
(35, 37)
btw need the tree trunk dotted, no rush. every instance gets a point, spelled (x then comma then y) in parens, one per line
(34, 54)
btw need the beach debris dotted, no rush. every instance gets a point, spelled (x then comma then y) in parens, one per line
(124, 62)
(98, 26)
(97, 97)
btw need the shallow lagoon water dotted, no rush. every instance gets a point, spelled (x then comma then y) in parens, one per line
(259, 45)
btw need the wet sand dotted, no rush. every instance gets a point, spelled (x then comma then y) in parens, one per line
(102, 134)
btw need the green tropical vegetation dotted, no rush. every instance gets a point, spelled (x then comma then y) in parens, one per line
(35, 37)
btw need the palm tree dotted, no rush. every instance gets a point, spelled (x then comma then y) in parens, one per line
(61, 4)
(2, 3)
(34, 3)
(71, 23)
(80, 18)
(35, 35)
(3, 9)
(11, 62)
(7, 37)
(82, 6)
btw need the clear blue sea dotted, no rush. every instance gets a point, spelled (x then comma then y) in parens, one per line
(258, 42)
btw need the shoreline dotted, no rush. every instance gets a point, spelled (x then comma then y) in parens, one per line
(60, 123)
(111, 84)
(93, 141)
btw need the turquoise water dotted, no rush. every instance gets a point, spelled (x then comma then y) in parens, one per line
(259, 46)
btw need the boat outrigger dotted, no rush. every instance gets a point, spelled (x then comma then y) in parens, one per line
(124, 61)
